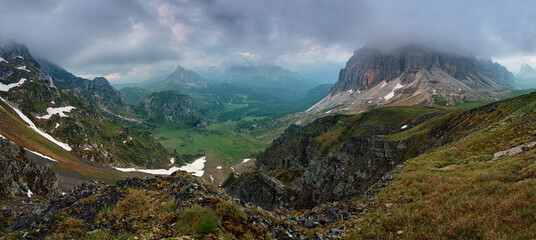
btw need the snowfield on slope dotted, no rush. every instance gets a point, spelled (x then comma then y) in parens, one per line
(195, 168)
(34, 127)
(5, 88)
(60, 110)
(392, 93)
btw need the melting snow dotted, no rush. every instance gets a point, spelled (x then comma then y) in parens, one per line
(21, 57)
(29, 193)
(246, 160)
(434, 91)
(218, 167)
(211, 178)
(172, 160)
(32, 125)
(57, 125)
(232, 168)
(61, 111)
(195, 168)
(392, 93)
(5, 88)
(350, 91)
(23, 68)
(383, 84)
(404, 127)
(3, 60)
(52, 102)
(42, 155)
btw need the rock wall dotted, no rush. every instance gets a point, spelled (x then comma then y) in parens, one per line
(370, 66)
(18, 174)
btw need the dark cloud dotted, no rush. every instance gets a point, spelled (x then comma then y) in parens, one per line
(29, 7)
(134, 39)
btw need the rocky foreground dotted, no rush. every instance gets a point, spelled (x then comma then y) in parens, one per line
(179, 206)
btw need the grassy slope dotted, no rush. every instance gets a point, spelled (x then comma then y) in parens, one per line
(474, 196)
(17, 131)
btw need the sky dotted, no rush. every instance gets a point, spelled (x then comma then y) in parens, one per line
(130, 41)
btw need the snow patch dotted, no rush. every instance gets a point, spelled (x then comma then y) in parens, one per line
(23, 68)
(211, 178)
(404, 127)
(52, 102)
(195, 168)
(57, 125)
(5, 88)
(172, 160)
(42, 155)
(392, 93)
(383, 84)
(21, 57)
(3, 60)
(29, 193)
(60, 110)
(350, 91)
(219, 167)
(232, 168)
(434, 91)
(34, 127)
(246, 160)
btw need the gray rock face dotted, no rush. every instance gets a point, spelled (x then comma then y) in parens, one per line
(18, 174)
(370, 66)
(339, 157)
(258, 189)
(97, 92)
(312, 174)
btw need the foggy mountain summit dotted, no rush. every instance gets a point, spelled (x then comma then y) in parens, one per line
(416, 74)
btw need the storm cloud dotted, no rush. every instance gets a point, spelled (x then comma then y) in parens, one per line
(132, 40)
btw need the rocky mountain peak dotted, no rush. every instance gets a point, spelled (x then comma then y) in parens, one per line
(526, 69)
(186, 78)
(371, 65)
(101, 81)
(13, 49)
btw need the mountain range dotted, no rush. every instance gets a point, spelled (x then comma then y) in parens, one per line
(411, 142)
(415, 74)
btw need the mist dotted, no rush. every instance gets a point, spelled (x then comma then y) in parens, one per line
(129, 41)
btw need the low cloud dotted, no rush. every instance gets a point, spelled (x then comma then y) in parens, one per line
(102, 37)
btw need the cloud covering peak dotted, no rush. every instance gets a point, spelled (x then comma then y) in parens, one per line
(130, 40)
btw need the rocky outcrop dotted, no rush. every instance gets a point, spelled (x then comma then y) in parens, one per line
(370, 66)
(20, 176)
(338, 157)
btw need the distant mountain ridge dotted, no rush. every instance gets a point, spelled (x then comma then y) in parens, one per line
(416, 74)
(266, 76)
(183, 80)
(526, 78)
(97, 92)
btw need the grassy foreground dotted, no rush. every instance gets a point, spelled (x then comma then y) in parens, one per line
(459, 191)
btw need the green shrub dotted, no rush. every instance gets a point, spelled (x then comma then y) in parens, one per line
(228, 210)
(198, 220)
